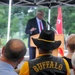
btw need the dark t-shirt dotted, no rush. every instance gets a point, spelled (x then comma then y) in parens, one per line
(69, 62)
(47, 65)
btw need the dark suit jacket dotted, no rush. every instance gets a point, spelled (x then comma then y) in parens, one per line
(33, 23)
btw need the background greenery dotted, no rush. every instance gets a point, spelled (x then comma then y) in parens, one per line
(20, 16)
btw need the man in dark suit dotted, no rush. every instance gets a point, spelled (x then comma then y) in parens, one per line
(34, 26)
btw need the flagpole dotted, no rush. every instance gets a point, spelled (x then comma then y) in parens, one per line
(9, 20)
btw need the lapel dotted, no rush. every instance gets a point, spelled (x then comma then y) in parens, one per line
(36, 24)
(43, 24)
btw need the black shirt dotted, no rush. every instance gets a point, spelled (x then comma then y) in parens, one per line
(69, 62)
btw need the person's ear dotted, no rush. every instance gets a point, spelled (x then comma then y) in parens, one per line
(3, 49)
(67, 45)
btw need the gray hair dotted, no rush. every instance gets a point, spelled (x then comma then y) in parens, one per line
(39, 11)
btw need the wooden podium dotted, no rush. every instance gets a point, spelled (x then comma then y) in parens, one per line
(57, 37)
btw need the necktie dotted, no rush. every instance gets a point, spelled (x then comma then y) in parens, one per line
(40, 26)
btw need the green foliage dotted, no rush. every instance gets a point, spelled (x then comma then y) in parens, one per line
(2, 42)
(53, 16)
(3, 20)
(68, 19)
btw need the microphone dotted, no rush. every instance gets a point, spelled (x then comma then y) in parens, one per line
(49, 24)
(52, 28)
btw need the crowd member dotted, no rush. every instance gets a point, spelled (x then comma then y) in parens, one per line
(73, 62)
(12, 54)
(46, 63)
(70, 45)
(34, 26)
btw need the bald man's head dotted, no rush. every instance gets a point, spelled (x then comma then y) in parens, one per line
(14, 49)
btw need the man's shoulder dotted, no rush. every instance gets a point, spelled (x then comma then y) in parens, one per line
(32, 19)
(43, 21)
(52, 58)
(7, 72)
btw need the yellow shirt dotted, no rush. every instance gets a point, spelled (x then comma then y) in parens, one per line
(25, 69)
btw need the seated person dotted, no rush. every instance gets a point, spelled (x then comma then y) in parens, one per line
(70, 44)
(73, 62)
(46, 63)
(12, 54)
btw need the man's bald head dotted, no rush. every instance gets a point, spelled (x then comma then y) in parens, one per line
(16, 44)
(14, 49)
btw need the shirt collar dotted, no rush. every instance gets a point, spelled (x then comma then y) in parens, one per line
(44, 54)
(38, 19)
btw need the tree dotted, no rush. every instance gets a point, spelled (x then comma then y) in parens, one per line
(3, 20)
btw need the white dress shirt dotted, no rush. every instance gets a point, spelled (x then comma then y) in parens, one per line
(38, 22)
